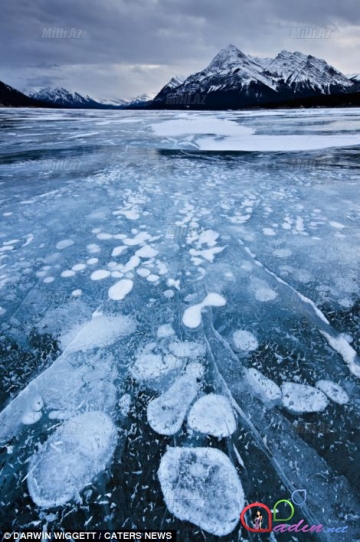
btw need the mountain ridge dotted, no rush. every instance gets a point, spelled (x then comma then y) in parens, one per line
(234, 80)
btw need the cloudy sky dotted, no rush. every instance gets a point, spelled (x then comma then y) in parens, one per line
(128, 47)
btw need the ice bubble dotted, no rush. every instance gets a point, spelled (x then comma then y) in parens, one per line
(143, 272)
(192, 315)
(118, 251)
(31, 417)
(335, 392)
(64, 244)
(201, 485)
(282, 253)
(104, 236)
(102, 331)
(187, 349)
(166, 330)
(301, 398)
(153, 278)
(93, 248)
(167, 413)
(71, 458)
(79, 267)
(244, 340)
(146, 252)
(125, 404)
(37, 403)
(263, 386)
(68, 273)
(149, 366)
(195, 369)
(212, 415)
(120, 289)
(265, 294)
(100, 274)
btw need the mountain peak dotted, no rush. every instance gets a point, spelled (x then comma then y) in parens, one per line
(231, 47)
(226, 57)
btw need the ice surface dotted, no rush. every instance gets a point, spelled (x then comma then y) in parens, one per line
(71, 458)
(169, 229)
(167, 413)
(195, 125)
(300, 398)
(212, 414)
(201, 485)
(237, 137)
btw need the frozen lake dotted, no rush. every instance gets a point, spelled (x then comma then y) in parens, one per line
(179, 319)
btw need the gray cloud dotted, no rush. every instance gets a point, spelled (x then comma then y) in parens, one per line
(126, 47)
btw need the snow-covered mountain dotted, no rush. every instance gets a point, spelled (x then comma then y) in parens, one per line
(169, 88)
(140, 100)
(234, 79)
(176, 81)
(63, 97)
(264, 62)
(355, 77)
(306, 73)
(10, 97)
(231, 76)
(114, 103)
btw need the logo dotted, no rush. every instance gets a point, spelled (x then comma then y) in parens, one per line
(263, 525)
